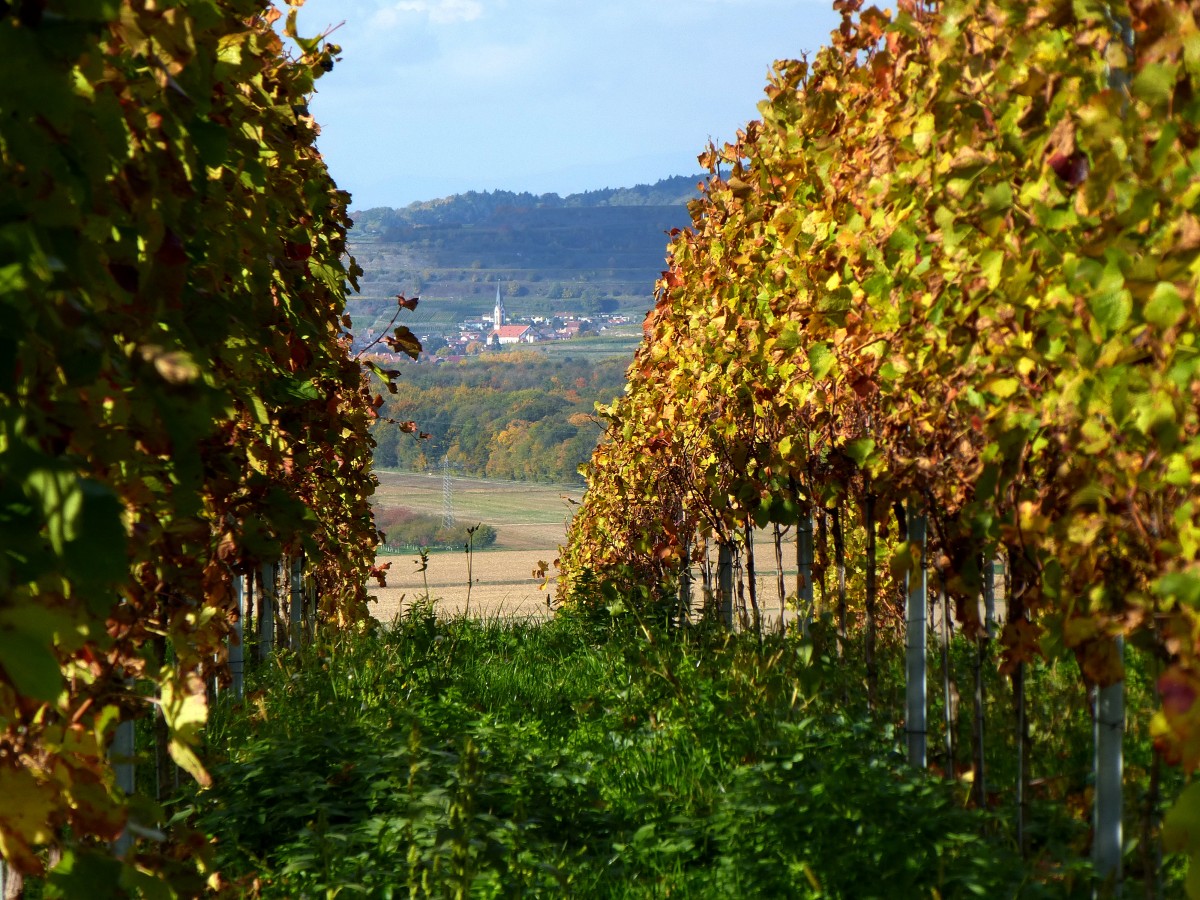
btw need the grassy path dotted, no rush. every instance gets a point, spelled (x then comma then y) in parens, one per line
(574, 758)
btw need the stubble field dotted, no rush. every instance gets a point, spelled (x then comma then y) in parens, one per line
(530, 522)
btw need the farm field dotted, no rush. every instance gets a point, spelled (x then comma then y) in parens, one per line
(621, 340)
(530, 522)
(525, 514)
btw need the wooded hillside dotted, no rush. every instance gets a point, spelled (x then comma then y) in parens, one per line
(599, 251)
(512, 415)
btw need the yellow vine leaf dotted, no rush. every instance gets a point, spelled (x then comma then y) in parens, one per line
(24, 815)
(185, 707)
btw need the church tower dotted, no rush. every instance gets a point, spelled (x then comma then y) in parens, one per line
(498, 312)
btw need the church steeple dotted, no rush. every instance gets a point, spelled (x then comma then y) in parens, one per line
(498, 312)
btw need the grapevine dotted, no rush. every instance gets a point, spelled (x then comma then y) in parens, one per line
(178, 401)
(955, 259)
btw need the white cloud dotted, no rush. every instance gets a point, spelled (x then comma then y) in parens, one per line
(439, 12)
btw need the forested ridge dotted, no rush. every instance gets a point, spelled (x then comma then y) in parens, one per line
(584, 254)
(475, 207)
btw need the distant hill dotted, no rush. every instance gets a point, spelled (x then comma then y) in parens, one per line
(598, 251)
(475, 207)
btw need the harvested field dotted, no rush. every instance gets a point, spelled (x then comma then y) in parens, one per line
(502, 586)
(526, 515)
(530, 521)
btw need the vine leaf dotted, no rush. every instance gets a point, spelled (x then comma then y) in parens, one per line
(25, 815)
(404, 341)
(185, 708)
(1181, 833)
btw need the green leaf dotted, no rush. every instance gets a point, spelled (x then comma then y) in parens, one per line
(860, 450)
(789, 338)
(991, 264)
(780, 509)
(211, 140)
(1165, 305)
(98, 554)
(12, 279)
(185, 709)
(300, 390)
(84, 873)
(404, 341)
(820, 360)
(1181, 833)
(31, 664)
(643, 834)
(1089, 495)
(1179, 470)
(90, 10)
(55, 490)
(1111, 304)
(1002, 388)
(998, 197)
(1155, 84)
(1183, 586)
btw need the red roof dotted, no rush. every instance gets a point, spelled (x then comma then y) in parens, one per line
(511, 330)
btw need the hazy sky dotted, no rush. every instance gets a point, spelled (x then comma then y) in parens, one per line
(436, 97)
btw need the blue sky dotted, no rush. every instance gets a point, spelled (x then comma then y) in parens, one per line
(436, 97)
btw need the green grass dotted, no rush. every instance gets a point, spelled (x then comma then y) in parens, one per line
(581, 759)
(478, 499)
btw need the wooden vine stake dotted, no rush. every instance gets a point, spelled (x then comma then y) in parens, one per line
(752, 578)
(1018, 568)
(805, 598)
(871, 665)
(121, 753)
(725, 582)
(685, 583)
(12, 885)
(949, 692)
(779, 581)
(839, 550)
(989, 598)
(296, 619)
(916, 643)
(979, 782)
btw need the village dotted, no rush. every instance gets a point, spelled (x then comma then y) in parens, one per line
(479, 334)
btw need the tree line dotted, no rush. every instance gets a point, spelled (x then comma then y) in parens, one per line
(524, 416)
(406, 528)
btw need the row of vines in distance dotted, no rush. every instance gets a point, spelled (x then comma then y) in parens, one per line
(177, 400)
(953, 266)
